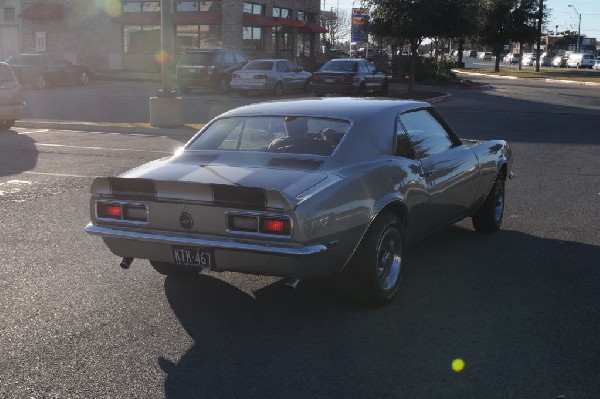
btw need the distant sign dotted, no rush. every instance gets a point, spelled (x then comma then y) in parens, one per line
(360, 16)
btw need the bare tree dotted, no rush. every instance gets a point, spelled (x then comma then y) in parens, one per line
(338, 25)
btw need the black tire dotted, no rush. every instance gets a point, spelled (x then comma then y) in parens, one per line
(170, 269)
(84, 79)
(223, 85)
(243, 93)
(319, 94)
(186, 90)
(307, 87)
(488, 217)
(384, 88)
(278, 89)
(41, 82)
(6, 125)
(361, 90)
(375, 270)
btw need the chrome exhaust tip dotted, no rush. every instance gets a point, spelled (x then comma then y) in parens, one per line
(125, 263)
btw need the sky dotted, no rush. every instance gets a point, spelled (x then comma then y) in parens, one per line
(560, 14)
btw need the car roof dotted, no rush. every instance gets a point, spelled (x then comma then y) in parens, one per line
(352, 108)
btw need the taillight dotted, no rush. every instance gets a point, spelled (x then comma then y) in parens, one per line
(260, 77)
(347, 78)
(235, 76)
(109, 211)
(280, 226)
(259, 224)
(127, 212)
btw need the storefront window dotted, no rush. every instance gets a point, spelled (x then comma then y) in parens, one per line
(306, 16)
(140, 39)
(195, 6)
(141, 5)
(197, 36)
(252, 39)
(253, 8)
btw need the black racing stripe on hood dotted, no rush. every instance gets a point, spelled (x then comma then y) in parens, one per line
(226, 196)
(132, 187)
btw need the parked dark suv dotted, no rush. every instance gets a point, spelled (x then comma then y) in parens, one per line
(12, 106)
(41, 70)
(208, 68)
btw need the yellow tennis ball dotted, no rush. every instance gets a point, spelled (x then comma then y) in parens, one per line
(458, 365)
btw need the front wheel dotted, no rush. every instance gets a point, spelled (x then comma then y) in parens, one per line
(223, 85)
(41, 82)
(5, 125)
(384, 88)
(362, 90)
(375, 268)
(488, 217)
(185, 90)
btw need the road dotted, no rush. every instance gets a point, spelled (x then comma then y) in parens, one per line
(520, 307)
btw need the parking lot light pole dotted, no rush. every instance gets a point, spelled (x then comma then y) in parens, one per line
(579, 27)
(166, 107)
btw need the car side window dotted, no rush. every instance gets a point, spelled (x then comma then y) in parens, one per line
(291, 66)
(404, 147)
(281, 66)
(239, 59)
(426, 134)
(229, 58)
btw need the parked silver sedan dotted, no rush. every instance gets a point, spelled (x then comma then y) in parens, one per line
(272, 75)
(349, 76)
(304, 188)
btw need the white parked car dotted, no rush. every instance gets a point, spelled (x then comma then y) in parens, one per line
(485, 55)
(581, 60)
(597, 64)
(273, 75)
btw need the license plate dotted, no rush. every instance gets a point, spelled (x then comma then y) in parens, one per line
(328, 80)
(193, 257)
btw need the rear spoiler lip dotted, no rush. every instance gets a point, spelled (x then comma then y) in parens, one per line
(232, 196)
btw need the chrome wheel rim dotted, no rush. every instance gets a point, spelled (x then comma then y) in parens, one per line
(41, 83)
(499, 201)
(84, 78)
(389, 259)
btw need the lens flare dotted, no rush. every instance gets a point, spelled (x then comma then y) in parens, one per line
(162, 57)
(458, 365)
(112, 7)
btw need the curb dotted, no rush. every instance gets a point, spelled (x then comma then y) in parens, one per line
(566, 81)
(482, 87)
(184, 131)
(439, 99)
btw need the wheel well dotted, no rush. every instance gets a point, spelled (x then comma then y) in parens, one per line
(504, 171)
(397, 208)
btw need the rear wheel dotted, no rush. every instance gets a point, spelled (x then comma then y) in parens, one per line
(170, 269)
(375, 268)
(84, 79)
(223, 85)
(384, 88)
(5, 125)
(319, 94)
(488, 217)
(307, 86)
(186, 90)
(278, 90)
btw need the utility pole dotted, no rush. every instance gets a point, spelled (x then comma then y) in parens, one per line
(539, 35)
(579, 27)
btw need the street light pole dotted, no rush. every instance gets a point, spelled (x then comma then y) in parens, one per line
(579, 27)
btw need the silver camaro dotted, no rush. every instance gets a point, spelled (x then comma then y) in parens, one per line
(304, 188)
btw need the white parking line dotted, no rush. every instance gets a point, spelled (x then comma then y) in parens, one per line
(100, 148)
(34, 131)
(27, 172)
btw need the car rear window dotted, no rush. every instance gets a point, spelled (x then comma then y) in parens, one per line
(200, 59)
(259, 65)
(24, 59)
(283, 134)
(340, 66)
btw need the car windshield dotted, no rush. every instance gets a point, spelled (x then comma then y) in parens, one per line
(202, 59)
(259, 66)
(343, 66)
(6, 74)
(286, 134)
(24, 59)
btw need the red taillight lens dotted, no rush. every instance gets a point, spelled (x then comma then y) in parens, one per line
(261, 77)
(276, 226)
(110, 211)
(347, 78)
